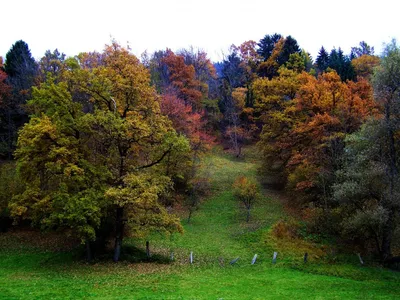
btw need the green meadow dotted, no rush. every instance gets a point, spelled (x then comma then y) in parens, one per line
(35, 267)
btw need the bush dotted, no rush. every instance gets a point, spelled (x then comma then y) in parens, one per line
(286, 229)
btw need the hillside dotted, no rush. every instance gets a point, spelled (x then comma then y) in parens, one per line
(216, 235)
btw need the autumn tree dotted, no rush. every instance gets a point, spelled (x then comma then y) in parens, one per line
(83, 167)
(327, 109)
(275, 51)
(364, 65)
(274, 105)
(203, 68)
(305, 120)
(52, 64)
(269, 67)
(183, 79)
(246, 191)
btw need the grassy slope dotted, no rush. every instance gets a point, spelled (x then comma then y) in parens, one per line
(216, 235)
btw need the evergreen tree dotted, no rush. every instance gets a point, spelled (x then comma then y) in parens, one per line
(322, 60)
(341, 64)
(267, 45)
(290, 46)
(21, 70)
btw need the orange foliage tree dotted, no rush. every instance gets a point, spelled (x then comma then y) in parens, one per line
(304, 130)
(183, 79)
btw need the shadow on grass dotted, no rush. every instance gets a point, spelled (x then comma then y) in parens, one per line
(132, 254)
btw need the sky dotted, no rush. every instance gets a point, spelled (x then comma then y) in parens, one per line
(212, 25)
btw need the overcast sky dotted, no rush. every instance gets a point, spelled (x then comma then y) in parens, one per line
(75, 26)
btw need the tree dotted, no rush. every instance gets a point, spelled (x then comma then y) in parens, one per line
(21, 70)
(81, 168)
(183, 79)
(363, 191)
(322, 60)
(364, 65)
(275, 53)
(269, 68)
(235, 74)
(5, 89)
(386, 84)
(267, 44)
(363, 49)
(246, 191)
(274, 105)
(290, 47)
(341, 64)
(304, 121)
(326, 109)
(186, 121)
(52, 64)
(203, 68)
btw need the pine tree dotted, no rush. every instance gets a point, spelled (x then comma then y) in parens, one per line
(322, 60)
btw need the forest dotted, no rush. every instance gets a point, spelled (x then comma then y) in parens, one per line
(106, 146)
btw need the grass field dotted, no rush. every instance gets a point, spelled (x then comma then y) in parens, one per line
(217, 234)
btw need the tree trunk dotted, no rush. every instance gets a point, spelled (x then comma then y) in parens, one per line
(388, 228)
(119, 232)
(248, 215)
(147, 249)
(190, 215)
(387, 236)
(89, 256)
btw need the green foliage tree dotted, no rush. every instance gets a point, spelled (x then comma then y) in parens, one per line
(80, 167)
(362, 190)
(386, 83)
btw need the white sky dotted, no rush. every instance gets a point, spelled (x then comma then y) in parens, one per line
(75, 26)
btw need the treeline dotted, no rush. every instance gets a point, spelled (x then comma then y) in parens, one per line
(112, 141)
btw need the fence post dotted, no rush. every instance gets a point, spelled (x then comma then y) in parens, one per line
(254, 259)
(234, 261)
(359, 257)
(274, 257)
